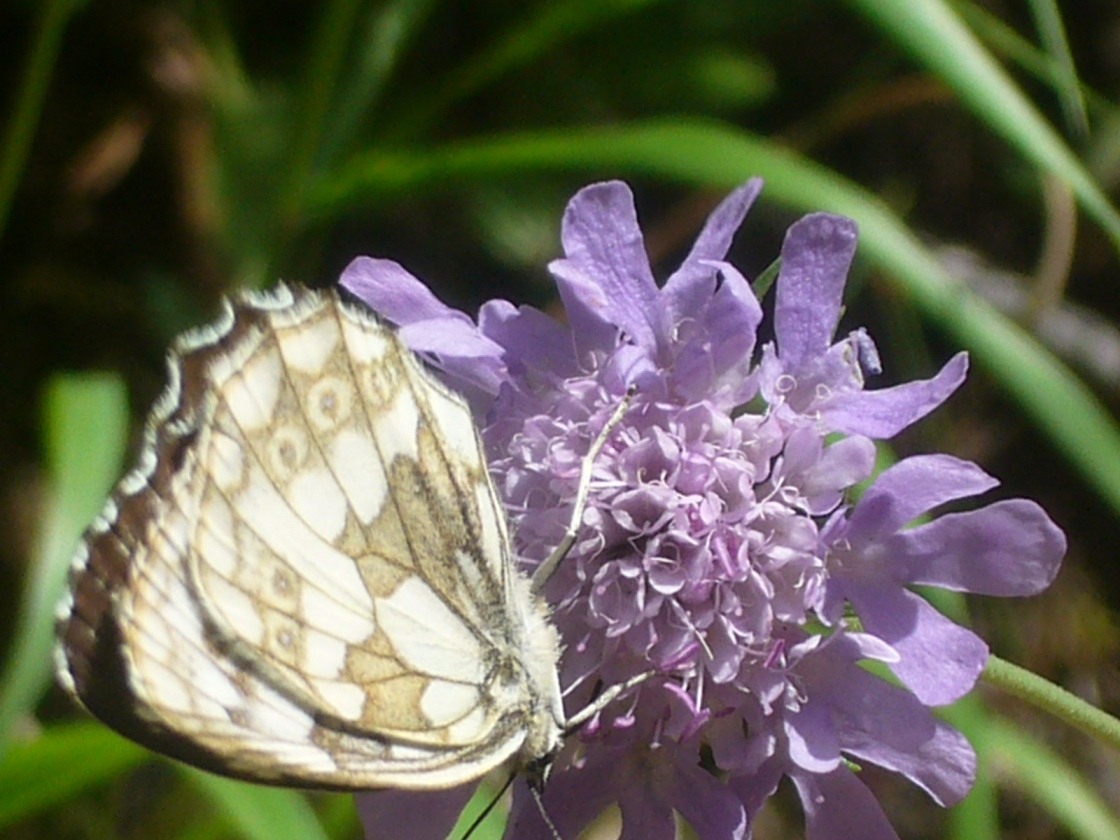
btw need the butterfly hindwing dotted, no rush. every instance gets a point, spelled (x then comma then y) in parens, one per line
(307, 578)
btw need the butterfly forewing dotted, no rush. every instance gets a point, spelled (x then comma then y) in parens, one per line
(307, 578)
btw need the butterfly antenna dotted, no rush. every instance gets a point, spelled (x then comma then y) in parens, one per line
(535, 790)
(544, 570)
(477, 821)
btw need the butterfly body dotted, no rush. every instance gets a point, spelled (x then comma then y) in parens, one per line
(307, 578)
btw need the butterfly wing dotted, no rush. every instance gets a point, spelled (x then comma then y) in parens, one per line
(306, 580)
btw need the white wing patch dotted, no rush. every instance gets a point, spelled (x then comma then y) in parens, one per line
(446, 703)
(306, 345)
(427, 636)
(227, 463)
(253, 389)
(307, 577)
(357, 466)
(398, 435)
(317, 499)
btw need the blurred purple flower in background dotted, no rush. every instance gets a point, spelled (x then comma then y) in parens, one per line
(721, 546)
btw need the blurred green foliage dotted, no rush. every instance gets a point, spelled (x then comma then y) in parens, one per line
(155, 155)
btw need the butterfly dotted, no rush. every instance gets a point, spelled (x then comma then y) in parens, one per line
(307, 578)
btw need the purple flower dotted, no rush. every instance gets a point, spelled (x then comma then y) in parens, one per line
(720, 546)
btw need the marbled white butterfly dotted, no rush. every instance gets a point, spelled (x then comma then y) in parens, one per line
(307, 578)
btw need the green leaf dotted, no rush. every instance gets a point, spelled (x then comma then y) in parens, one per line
(1018, 760)
(1052, 32)
(390, 29)
(492, 826)
(85, 423)
(61, 762)
(543, 29)
(323, 68)
(22, 122)
(257, 812)
(932, 33)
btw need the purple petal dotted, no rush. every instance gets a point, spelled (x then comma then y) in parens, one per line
(645, 818)
(816, 255)
(628, 365)
(865, 646)
(680, 294)
(876, 712)
(1005, 549)
(889, 726)
(714, 240)
(471, 361)
(530, 337)
(753, 789)
(847, 462)
(603, 242)
(732, 323)
(586, 306)
(944, 766)
(446, 336)
(938, 660)
(393, 292)
(713, 356)
(707, 804)
(813, 745)
(884, 413)
(449, 338)
(838, 806)
(910, 488)
(572, 798)
(421, 814)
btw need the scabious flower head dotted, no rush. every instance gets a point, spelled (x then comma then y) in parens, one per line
(721, 547)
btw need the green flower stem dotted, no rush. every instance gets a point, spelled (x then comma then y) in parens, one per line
(1052, 698)
(29, 100)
